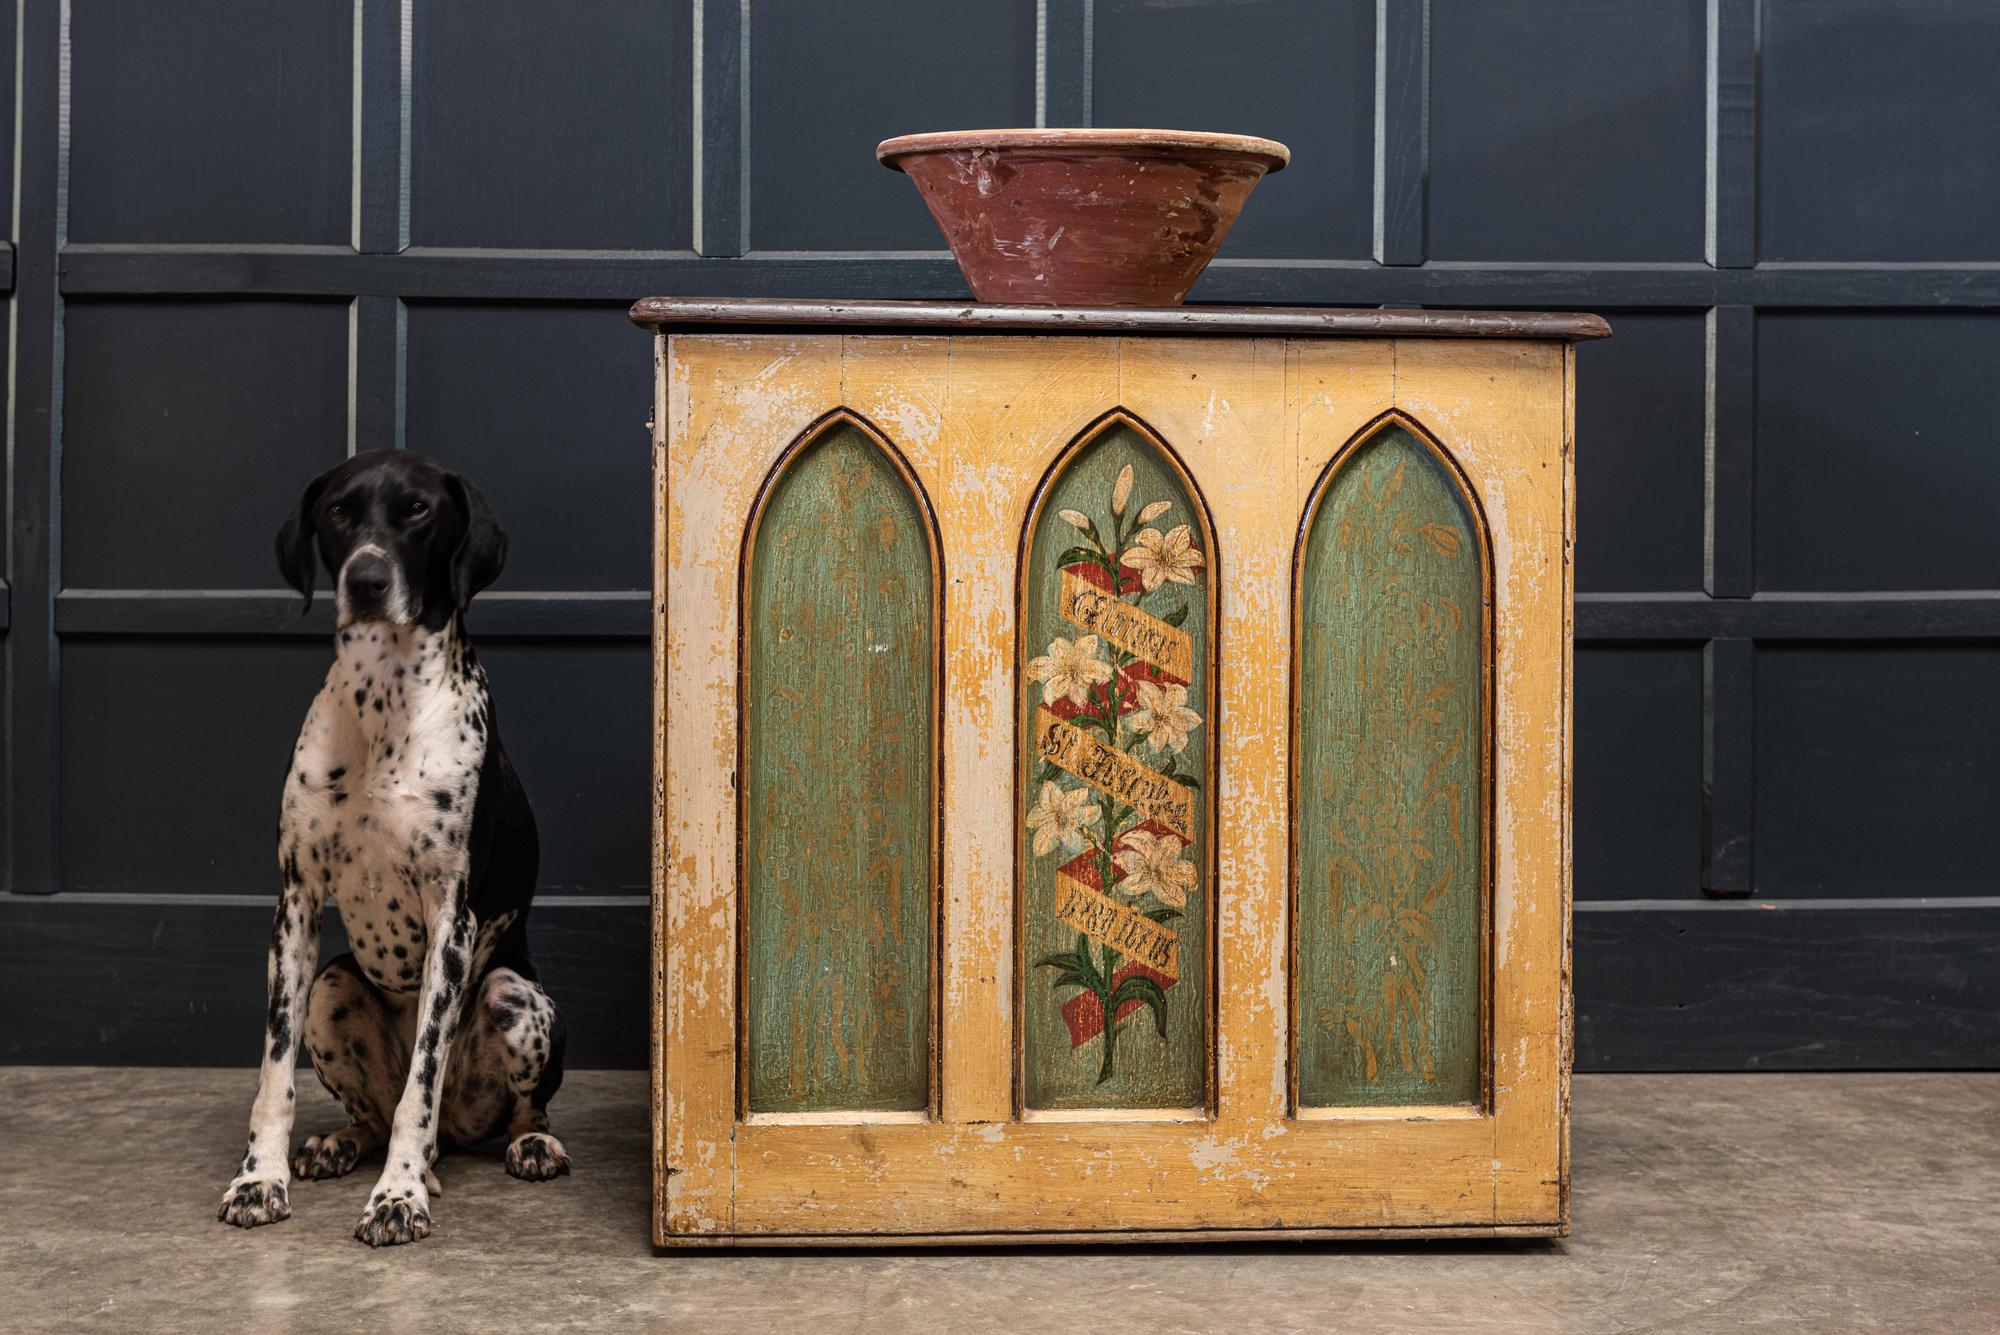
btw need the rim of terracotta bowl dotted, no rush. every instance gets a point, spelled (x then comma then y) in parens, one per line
(891, 152)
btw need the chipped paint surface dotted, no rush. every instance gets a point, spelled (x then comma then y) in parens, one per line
(979, 418)
(979, 450)
(747, 399)
(1221, 402)
(1502, 409)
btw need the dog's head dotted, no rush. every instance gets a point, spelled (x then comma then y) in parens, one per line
(406, 540)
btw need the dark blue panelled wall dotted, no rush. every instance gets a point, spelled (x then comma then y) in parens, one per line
(249, 238)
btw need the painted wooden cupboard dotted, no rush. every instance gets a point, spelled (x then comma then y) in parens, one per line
(1113, 772)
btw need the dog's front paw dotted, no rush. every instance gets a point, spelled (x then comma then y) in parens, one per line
(248, 1204)
(537, 1157)
(394, 1219)
(330, 1155)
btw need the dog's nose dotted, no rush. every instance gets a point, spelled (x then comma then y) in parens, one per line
(368, 579)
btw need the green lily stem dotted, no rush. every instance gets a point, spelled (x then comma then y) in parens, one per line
(1104, 1003)
(1114, 812)
(1113, 703)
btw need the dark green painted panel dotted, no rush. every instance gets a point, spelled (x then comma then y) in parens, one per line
(1077, 837)
(1390, 820)
(839, 787)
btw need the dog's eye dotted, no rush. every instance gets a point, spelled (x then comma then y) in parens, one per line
(337, 512)
(416, 509)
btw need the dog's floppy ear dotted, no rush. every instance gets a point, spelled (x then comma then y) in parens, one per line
(482, 545)
(297, 561)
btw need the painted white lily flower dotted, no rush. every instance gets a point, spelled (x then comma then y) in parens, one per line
(1153, 862)
(1163, 716)
(1164, 558)
(1070, 668)
(1059, 817)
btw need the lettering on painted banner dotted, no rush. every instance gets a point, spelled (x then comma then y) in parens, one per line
(1115, 774)
(1128, 627)
(1124, 929)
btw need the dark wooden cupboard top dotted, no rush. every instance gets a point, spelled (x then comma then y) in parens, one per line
(671, 314)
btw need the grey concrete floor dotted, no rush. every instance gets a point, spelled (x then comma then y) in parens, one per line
(1702, 1203)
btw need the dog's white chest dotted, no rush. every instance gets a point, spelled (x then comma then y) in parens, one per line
(385, 897)
(379, 800)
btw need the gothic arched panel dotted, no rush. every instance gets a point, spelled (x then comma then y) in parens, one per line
(840, 780)
(1390, 779)
(1117, 779)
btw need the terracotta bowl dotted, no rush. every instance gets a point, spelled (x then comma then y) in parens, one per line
(1083, 217)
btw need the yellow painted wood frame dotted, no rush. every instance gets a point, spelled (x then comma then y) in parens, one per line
(978, 418)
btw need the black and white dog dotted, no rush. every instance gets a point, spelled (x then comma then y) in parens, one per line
(401, 805)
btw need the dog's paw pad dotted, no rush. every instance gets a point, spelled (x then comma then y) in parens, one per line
(330, 1155)
(248, 1204)
(537, 1157)
(396, 1220)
